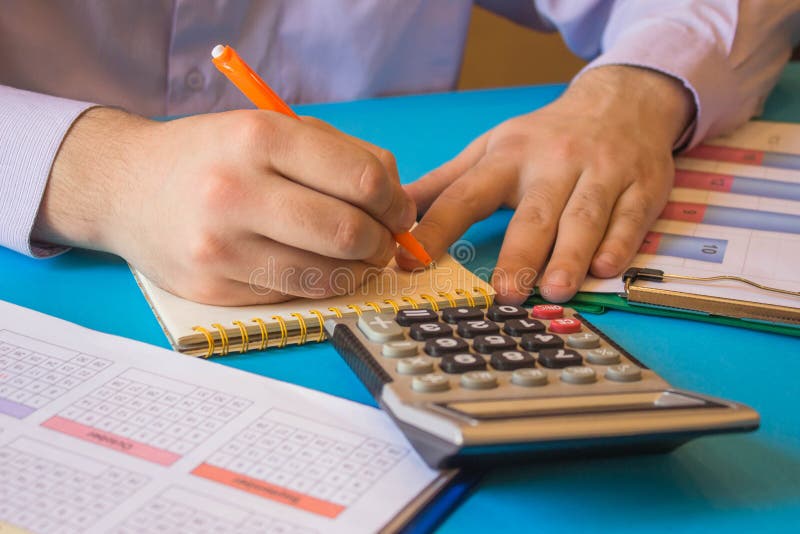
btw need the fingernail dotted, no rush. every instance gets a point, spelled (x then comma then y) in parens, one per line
(607, 258)
(558, 279)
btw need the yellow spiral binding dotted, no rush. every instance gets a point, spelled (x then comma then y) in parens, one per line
(375, 306)
(393, 304)
(431, 300)
(264, 332)
(223, 339)
(209, 339)
(466, 295)
(485, 294)
(355, 308)
(449, 298)
(336, 310)
(414, 303)
(321, 320)
(245, 336)
(284, 330)
(303, 327)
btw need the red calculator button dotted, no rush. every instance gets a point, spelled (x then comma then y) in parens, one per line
(547, 311)
(567, 325)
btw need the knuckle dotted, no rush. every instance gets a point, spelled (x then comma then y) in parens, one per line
(219, 190)
(536, 209)
(585, 214)
(206, 249)
(372, 183)
(348, 237)
(387, 159)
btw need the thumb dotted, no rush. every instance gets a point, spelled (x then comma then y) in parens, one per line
(425, 190)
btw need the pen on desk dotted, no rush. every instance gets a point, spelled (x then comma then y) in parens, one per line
(248, 82)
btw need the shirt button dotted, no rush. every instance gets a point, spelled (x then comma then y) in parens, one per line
(195, 80)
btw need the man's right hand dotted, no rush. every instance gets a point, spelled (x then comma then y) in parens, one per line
(229, 208)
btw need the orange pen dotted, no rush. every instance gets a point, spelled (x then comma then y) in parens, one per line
(242, 76)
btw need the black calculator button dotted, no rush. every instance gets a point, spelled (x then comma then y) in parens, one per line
(559, 358)
(462, 313)
(462, 362)
(505, 312)
(578, 375)
(424, 331)
(445, 345)
(477, 328)
(519, 327)
(537, 342)
(420, 315)
(508, 360)
(492, 343)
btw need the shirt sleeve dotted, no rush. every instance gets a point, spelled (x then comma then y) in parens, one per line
(728, 53)
(32, 127)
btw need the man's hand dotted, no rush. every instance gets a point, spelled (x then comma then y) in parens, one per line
(587, 174)
(241, 207)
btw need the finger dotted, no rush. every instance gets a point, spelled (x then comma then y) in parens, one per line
(224, 292)
(268, 267)
(329, 163)
(529, 237)
(581, 228)
(304, 218)
(425, 190)
(633, 215)
(472, 197)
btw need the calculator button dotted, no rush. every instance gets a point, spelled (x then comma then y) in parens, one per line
(624, 373)
(492, 343)
(424, 331)
(537, 342)
(379, 327)
(583, 340)
(529, 377)
(505, 312)
(418, 365)
(578, 375)
(461, 363)
(479, 380)
(430, 383)
(399, 349)
(547, 311)
(603, 356)
(567, 325)
(559, 358)
(477, 328)
(420, 315)
(445, 345)
(508, 360)
(462, 313)
(519, 327)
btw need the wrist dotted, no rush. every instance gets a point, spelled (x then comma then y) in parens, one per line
(81, 203)
(659, 101)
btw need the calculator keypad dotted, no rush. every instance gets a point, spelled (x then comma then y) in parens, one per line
(469, 349)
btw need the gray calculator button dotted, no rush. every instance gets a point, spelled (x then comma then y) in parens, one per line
(430, 383)
(399, 349)
(583, 340)
(603, 356)
(479, 380)
(578, 374)
(418, 365)
(379, 327)
(624, 373)
(529, 377)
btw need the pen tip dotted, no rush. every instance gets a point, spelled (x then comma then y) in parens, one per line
(217, 51)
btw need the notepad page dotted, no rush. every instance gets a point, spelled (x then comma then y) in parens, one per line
(104, 434)
(178, 316)
(734, 210)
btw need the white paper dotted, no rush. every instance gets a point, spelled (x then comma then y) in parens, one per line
(769, 258)
(103, 434)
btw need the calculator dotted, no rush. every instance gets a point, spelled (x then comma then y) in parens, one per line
(468, 385)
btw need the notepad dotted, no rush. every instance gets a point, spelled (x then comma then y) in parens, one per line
(205, 330)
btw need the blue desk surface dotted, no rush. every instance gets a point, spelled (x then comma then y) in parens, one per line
(739, 482)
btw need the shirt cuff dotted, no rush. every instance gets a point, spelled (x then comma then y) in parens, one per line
(680, 52)
(32, 128)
